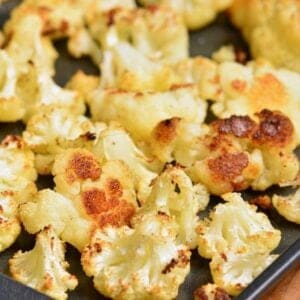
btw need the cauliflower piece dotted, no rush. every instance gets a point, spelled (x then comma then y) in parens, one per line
(143, 262)
(11, 108)
(106, 5)
(103, 193)
(233, 271)
(224, 53)
(126, 68)
(10, 227)
(50, 132)
(210, 291)
(140, 112)
(196, 13)
(174, 194)
(17, 172)
(115, 144)
(237, 226)
(271, 28)
(44, 267)
(158, 33)
(289, 206)
(246, 90)
(50, 208)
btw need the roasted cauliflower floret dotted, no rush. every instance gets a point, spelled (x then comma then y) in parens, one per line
(143, 262)
(174, 194)
(44, 267)
(210, 291)
(17, 172)
(114, 143)
(49, 133)
(196, 13)
(126, 68)
(288, 206)
(271, 28)
(246, 90)
(50, 208)
(233, 271)
(140, 112)
(237, 226)
(12, 107)
(158, 33)
(103, 193)
(10, 227)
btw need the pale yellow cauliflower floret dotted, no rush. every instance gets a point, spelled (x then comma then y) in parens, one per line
(140, 112)
(235, 225)
(196, 13)
(233, 271)
(271, 28)
(158, 33)
(10, 227)
(114, 143)
(11, 106)
(246, 90)
(174, 194)
(288, 206)
(50, 132)
(50, 208)
(44, 267)
(142, 262)
(210, 291)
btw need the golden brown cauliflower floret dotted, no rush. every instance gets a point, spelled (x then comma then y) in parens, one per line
(50, 132)
(236, 226)
(271, 29)
(103, 193)
(210, 291)
(234, 271)
(288, 206)
(247, 90)
(114, 143)
(174, 194)
(156, 32)
(140, 112)
(10, 226)
(196, 13)
(143, 262)
(44, 267)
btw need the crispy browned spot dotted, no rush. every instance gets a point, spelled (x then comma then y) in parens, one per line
(114, 188)
(180, 86)
(89, 136)
(110, 15)
(239, 85)
(95, 201)
(262, 201)
(48, 282)
(182, 260)
(228, 166)
(83, 166)
(1, 209)
(274, 129)
(239, 126)
(218, 293)
(221, 294)
(240, 56)
(200, 294)
(166, 130)
(13, 139)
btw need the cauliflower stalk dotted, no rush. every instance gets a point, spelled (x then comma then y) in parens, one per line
(288, 206)
(44, 267)
(174, 194)
(143, 262)
(236, 225)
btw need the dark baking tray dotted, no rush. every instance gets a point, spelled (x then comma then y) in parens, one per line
(202, 42)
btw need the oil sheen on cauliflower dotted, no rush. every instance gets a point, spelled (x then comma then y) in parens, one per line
(174, 194)
(196, 13)
(50, 132)
(140, 112)
(114, 143)
(44, 267)
(233, 271)
(103, 192)
(159, 33)
(237, 226)
(10, 227)
(143, 262)
(288, 206)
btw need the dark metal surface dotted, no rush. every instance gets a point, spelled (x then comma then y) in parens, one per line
(201, 42)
